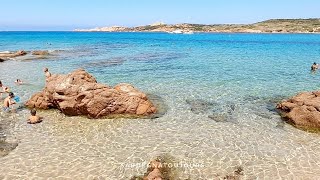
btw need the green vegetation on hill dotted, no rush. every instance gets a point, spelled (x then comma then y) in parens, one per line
(289, 25)
(269, 26)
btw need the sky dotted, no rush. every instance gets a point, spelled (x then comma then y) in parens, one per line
(20, 15)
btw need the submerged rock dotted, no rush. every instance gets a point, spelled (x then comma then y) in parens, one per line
(151, 57)
(224, 113)
(280, 124)
(215, 111)
(160, 168)
(199, 106)
(263, 107)
(6, 148)
(31, 58)
(105, 63)
(236, 175)
(302, 110)
(78, 93)
(159, 102)
(219, 117)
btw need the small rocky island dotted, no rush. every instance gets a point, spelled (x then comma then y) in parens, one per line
(302, 110)
(78, 93)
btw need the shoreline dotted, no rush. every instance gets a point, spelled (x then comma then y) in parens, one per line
(268, 26)
(161, 32)
(164, 32)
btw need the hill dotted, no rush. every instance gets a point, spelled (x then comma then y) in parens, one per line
(269, 26)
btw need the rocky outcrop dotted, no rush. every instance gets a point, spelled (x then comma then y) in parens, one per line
(155, 170)
(6, 55)
(302, 110)
(29, 55)
(78, 93)
(40, 53)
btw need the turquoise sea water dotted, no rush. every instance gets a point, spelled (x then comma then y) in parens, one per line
(237, 77)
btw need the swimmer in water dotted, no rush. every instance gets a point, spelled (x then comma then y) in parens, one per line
(34, 118)
(314, 66)
(18, 81)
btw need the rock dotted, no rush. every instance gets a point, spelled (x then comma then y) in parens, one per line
(31, 58)
(157, 170)
(41, 102)
(117, 61)
(78, 93)
(219, 118)
(280, 124)
(199, 106)
(3, 136)
(40, 53)
(302, 110)
(2, 60)
(6, 148)
(21, 53)
(6, 55)
(236, 175)
(160, 103)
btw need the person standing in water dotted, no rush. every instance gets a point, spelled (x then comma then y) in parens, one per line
(3, 89)
(8, 101)
(46, 73)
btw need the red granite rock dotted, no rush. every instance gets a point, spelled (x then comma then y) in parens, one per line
(302, 110)
(78, 93)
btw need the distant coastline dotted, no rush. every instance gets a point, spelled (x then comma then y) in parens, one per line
(268, 26)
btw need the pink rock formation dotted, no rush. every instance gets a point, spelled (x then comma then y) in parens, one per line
(303, 110)
(78, 93)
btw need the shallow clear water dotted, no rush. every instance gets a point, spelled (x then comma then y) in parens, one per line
(238, 77)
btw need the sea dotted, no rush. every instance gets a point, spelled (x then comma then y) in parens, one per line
(217, 94)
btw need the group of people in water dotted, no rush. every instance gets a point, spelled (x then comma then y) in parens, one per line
(11, 100)
(8, 101)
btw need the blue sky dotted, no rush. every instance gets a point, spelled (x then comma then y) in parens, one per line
(70, 14)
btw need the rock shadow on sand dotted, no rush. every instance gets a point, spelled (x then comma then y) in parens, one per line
(216, 111)
(5, 147)
(265, 107)
(159, 102)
